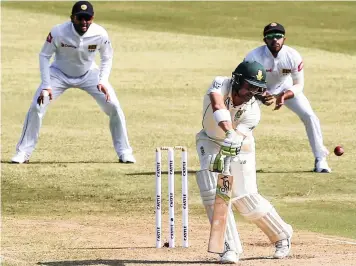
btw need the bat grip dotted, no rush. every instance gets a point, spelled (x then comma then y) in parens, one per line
(227, 162)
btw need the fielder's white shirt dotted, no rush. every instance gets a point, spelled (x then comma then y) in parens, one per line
(282, 70)
(244, 117)
(75, 54)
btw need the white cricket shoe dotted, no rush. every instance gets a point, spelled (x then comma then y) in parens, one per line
(20, 157)
(127, 158)
(282, 248)
(321, 166)
(229, 257)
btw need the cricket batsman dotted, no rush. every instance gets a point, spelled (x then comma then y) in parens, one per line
(230, 113)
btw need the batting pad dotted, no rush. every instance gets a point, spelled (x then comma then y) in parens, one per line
(207, 184)
(258, 210)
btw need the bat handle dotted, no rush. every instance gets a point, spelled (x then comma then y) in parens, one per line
(227, 162)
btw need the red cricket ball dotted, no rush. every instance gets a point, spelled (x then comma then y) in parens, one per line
(339, 150)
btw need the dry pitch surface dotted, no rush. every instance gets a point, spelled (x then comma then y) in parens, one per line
(131, 241)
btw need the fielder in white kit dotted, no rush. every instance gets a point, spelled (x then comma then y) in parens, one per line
(230, 113)
(75, 44)
(285, 81)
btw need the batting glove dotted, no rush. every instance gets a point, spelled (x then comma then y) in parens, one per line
(217, 163)
(232, 143)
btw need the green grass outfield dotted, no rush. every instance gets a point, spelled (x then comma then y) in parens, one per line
(326, 25)
(166, 55)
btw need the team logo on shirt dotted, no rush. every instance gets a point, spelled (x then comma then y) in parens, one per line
(92, 48)
(49, 38)
(68, 45)
(286, 71)
(217, 84)
(300, 66)
(259, 75)
(239, 114)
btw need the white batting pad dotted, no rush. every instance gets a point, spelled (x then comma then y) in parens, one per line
(258, 210)
(207, 184)
(206, 181)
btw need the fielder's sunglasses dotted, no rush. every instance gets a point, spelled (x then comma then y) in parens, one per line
(86, 17)
(272, 36)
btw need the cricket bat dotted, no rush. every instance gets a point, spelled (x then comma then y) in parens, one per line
(221, 207)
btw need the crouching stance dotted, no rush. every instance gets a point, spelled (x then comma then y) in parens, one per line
(230, 112)
(74, 45)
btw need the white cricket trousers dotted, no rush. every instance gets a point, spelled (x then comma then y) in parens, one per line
(88, 82)
(301, 106)
(243, 166)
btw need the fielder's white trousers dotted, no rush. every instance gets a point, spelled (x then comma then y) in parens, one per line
(301, 106)
(60, 83)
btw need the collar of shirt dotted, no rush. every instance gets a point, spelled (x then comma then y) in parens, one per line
(86, 34)
(269, 54)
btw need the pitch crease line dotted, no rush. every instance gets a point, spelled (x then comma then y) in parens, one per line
(336, 240)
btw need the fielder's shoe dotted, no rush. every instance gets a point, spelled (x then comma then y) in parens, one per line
(282, 248)
(127, 158)
(229, 257)
(20, 157)
(321, 166)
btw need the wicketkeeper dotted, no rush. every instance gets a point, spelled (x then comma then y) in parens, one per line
(230, 113)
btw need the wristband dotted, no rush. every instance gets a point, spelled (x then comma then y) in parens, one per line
(222, 115)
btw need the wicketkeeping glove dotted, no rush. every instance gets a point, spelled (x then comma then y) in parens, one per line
(217, 163)
(267, 99)
(232, 143)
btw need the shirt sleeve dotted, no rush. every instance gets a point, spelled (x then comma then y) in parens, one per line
(249, 57)
(220, 85)
(106, 55)
(297, 74)
(48, 49)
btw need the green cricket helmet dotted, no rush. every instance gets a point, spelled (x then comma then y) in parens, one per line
(250, 71)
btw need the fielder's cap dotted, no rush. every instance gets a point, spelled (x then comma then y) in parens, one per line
(83, 7)
(273, 27)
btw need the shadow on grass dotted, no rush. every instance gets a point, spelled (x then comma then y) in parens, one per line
(259, 171)
(126, 262)
(163, 173)
(64, 162)
(122, 262)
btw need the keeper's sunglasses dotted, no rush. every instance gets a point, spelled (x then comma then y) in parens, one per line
(272, 36)
(86, 17)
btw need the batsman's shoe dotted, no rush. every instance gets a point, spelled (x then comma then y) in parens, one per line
(321, 166)
(282, 248)
(127, 158)
(20, 157)
(229, 257)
